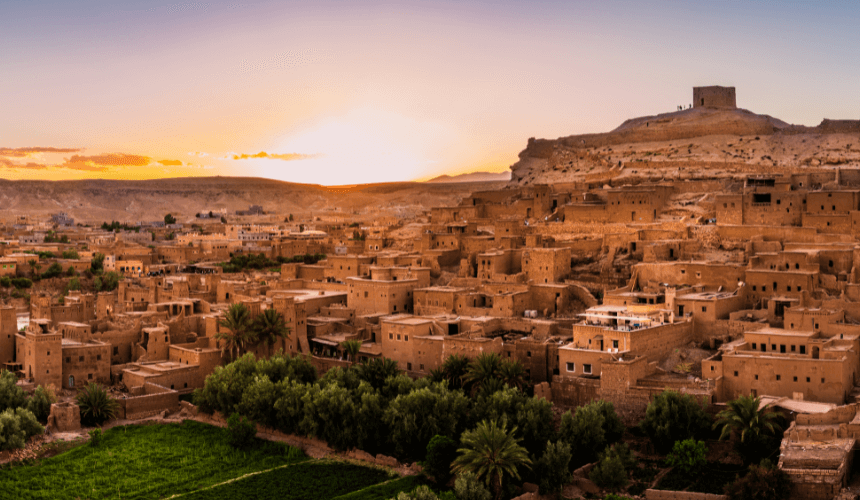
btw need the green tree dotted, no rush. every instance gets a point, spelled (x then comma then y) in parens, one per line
(71, 254)
(757, 429)
(611, 470)
(98, 263)
(422, 492)
(11, 395)
(54, 270)
(688, 456)
(482, 369)
(416, 417)
(441, 452)
(97, 406)
(235, 333)
(672, 416)
(590, 429)
(35, 267)
(376, 371)
(40, 402)
(553, 468)
(16, 427)
(350, 349)
(269, 327)
(491, 452)
(169, 219)
(764, 482)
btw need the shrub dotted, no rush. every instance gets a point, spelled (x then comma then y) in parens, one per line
(16, 427)
(40, 402)
(553, 468)
(6, 281)
(688, 456)
(241, 432)
(441, 451)
(611, 470)
(671, 417)
(422, 492)
(97, 264)
(107, 283)
(71, 254)
(467, 486)
(763, 482)
(97, 406)
(21, 283)
(95, 437)
(11, 396)
(53, 271)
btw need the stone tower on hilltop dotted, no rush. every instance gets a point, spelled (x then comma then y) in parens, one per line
(714, 97)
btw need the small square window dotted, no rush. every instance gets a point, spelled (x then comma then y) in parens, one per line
(570, 367)
(736, 374)
(779, 377)
(795, 379)
(822, 380)
(90, 377)
(807, 380)
(586, 368)
(754, 346)
(756, 377)
(528, 354)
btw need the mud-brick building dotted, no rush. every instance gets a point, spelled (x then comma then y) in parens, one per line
(618, 332)
(369, 296)
(800, 365)
(39, 353)
(85, 362)
(546, 265)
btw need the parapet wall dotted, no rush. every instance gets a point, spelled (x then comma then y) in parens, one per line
(155, 400)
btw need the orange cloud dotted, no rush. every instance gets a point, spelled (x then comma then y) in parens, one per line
(11, 164)
(170, 163)
(111, 160)
(272, 156)
(24, 152)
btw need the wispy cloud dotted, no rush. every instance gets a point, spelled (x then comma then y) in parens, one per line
(170, 163)
(274, 156)
(25, 152)
(112, 160)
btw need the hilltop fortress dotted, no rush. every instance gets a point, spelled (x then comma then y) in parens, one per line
(693, 141)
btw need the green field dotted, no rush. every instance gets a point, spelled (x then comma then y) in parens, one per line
(160, 461)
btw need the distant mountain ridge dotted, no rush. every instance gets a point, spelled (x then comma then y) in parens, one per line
(474, 177)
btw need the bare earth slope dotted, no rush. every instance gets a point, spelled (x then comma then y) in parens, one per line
(99, 200)
(693, 143)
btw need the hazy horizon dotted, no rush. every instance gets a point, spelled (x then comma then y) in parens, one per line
(333, 93)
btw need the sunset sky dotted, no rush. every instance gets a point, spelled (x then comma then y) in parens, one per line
(338, 92)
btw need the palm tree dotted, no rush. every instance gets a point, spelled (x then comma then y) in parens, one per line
(376, 371)
(454, 368)
(491, 453)
(481, 369)
(490, 387)
(270, 327)
(513, 374)
(237, 333)
(351, 348)
(752, 424)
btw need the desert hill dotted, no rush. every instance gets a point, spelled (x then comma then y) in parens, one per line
(146, 200)
(474, 177)
(693, 143)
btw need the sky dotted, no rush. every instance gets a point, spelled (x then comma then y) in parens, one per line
(344, 92)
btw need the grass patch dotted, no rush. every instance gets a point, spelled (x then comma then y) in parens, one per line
(144, 462)
(386, 490)
(303, 481)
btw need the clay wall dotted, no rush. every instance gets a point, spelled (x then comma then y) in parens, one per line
(680, 495)
(155, 400)
(427, 353)
(763, 284)
(829, 223)
(399, 339)
(470, 347)
(573, 392)
(690, 273)
(831, 202)
(729, 208)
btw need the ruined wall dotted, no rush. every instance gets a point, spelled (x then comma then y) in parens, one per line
(155, 400)
(714, 97)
